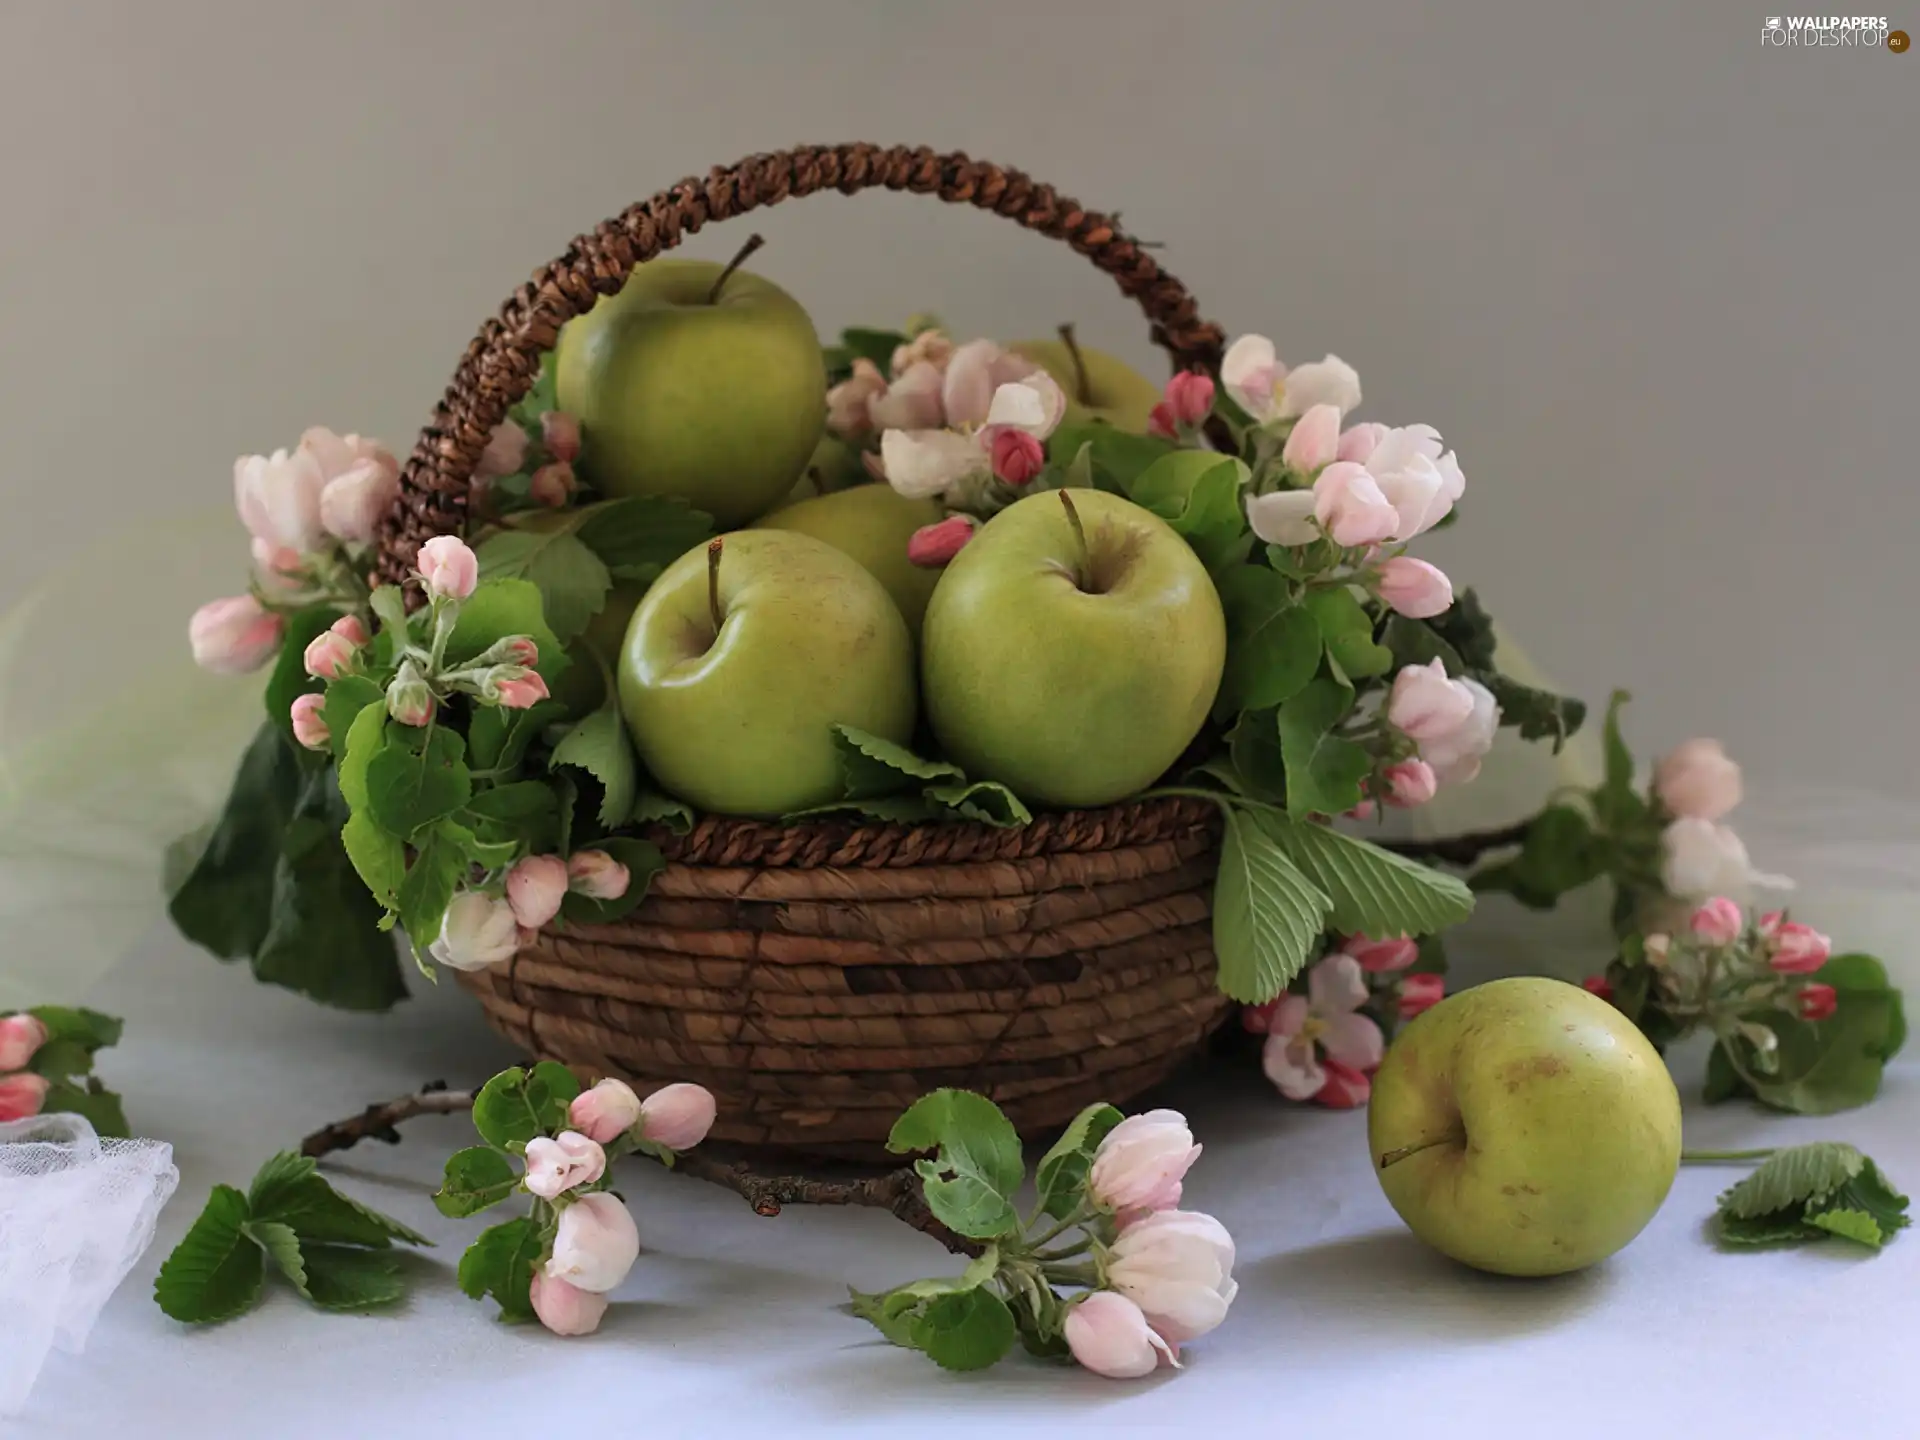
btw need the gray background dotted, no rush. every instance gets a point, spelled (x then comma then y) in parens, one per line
(1655, 281)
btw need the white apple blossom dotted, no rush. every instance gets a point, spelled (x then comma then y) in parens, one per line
(1284, 517)
(920, 463)
(1254, 376)
(1326, 1020)
(1177, 1266)
(1319, 382)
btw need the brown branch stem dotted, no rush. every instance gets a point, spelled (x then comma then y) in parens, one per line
(895, 1191)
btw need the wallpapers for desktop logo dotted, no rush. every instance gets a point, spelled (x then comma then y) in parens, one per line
(1863, 32)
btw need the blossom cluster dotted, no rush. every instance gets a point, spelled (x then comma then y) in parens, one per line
(1322, 1043)
(482, 930)
(22, 1093)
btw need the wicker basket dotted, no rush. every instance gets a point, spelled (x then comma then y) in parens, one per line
(818, 978)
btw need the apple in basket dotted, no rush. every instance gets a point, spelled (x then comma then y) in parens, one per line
(1072, 649)
(1098, 386)
(1524, 1127)
(696, 380)
(742, 658)
(873, 524)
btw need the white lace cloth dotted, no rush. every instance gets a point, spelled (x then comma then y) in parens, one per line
(76, 1212)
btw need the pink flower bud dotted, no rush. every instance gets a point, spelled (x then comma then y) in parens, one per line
(516, 687)
(678, 1116)
(1425, 705)
(1160, 422)
(20, 1036)
(520, 650)
(1598, 985)
(506, 452)
(21, 1096)
(1363, 811)
(597, 875)
(357, 500)
(1189, 398)
(1817, 1002)
(1345, 1088)
(350, 629)
(560, 436)
(1258, 1019)
(1420, 992)
(1017, 457)
(478, 931)
(1718, 922)
(329, 655)
(1315, 437)
(1349, 504)
(1799, 949)
(408, 699)
(595, 1244)
(1140, 1164)
(1382, 956)
(607, 1111)
(1770, 923)
(1414, 588)
(448, 567)
(566, 1309)
(310, 723)
(552, 485)
(562, 1163)
(1108, 1335)
(1357, 442)
(932, 546)
(535, 888)
(233, 636)
(1410, 783)
(1696, 781)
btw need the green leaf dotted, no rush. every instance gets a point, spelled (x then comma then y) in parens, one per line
(1414, 642)
(226, 902)
(1324, 771)
(290, 1190)
(1273, 644)
(986, 801)
(438, 866)
(347, 698)
(477, 1178)
(417, 777)
(282, 1247)
(379, 858)
(1861, 978)
(892, 1312)
(487, 854)
(290, 680)
(87, 1028)
(554, 1087)
(1762, 1230)
(323, 937)
(1791, 1177)
(1266, 913)
(500, 1263)
(1855, 1225)
(643, 861)
(650, 807)
(94, 1103)
(1616, 804)
(1560, 853)
(389, 606)
(1536, 714)
(1197, 492)
(1467, 630)
(1722, 1081)
(1834, 1064)
(366, 737)
(498, 738)
(342, 1277)
(876, 766)
(497, 609)
(970, 1184)
(599, 746)
(1347, 629)
(573, 581)
(215, 1272)
(1062, 1173)
(640, 536)
(888, 809)
(1253, 747)
(1119, 457)
(966, 1330)
(1371, 891)
(515, 1106)
(1871, 1193)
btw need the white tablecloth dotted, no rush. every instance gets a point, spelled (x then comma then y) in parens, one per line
(729, 1325)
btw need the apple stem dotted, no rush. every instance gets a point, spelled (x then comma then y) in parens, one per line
(754, 242)
(1083, 571)
(1697, 1157)
(1394, 1157)
(1082, 391)
(713, 583)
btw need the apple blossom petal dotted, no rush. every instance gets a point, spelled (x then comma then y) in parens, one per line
(1287, 1015)
(1017, 404)
(1283, 518)
(1292, 1067)
(967, 389)
(920, 463)
(1252, 372)
(1320, 382)
(1354, 1041)
(1346, 1088)
(1336, 985)
(911, 403)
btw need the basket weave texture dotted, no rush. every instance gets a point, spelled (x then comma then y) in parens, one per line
(818, 978)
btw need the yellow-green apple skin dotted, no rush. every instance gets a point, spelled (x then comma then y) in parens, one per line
(873, 524)
(1551, 1127)
(717, 402)
(583, 685)
(739, 721)
(1116, 392)
(1071, 696)
(834, 465)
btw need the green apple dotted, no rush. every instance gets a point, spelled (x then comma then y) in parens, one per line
(1072, 649)
(743, 656)
(1098, 386)
(1524, 1127)
(834, 465)
(695, 382)
(872, 523)
(583, 685)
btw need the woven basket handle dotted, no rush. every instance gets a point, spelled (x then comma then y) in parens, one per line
(501, 363)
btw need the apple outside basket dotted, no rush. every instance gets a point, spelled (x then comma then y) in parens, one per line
(820, 977)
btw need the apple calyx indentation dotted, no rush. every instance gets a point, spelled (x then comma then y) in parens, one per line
(754, 242)
(1082, 386)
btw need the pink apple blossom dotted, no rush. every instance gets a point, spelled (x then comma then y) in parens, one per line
(678, 1116)
(449, 568)
(235, 635)
(505, 453)
(1378, 957)
(1419, 482)
(1177, 1266)
(566, 1309)
(595, 1244)
(597, 875)
(362, 482)
(1160, 422)
(478, 932)
(21, 1096)
(1035, 405)
(1313, 441)
(1329, 381)
(1410, 783)
(930, 347)
(1017, 457)
(1419, 993)
(1424, 704)
(1109, 1335)
(1456, 756)
(1414, 588)
(1718, 922)
(1349, 506)
(975, 373)
(560, 436)
(849, 404)
(1346, 1088)
(516, 687)
(1797, 949)
(1700, 858)
(1770, 923)
(1140, 1164)
(20, 1037)
(932, 546)
(1363, 811)
(309, 721)
(562, 1162)
(1696, 781)
(1817, 1002)
(605, 1112)
(911, 402)
(535, 887)
(1357, 442)
(1284, 517)
(329, 655)
(350, 629)
(1189, 398)
(552, 485)
(1254, 376)
(1325, 1021)
(278, 497)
